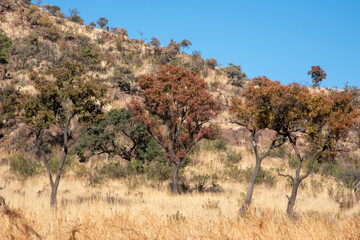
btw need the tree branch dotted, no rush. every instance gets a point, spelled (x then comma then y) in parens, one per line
(285, 175)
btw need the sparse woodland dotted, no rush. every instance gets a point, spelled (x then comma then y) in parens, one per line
(107, 137)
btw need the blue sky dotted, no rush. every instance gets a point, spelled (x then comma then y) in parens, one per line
(278, 39)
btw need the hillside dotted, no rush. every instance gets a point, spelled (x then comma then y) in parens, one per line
(113, 191)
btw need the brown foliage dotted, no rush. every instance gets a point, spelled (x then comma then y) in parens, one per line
(175, 109)
(317, 75)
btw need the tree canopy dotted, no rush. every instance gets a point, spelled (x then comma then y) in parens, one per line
(176, 107)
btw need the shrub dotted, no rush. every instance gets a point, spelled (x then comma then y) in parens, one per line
(83, 40)
(100, 41)
(89, 54)
(119, 45)
(51, 33)
(74, 16)
(233, 172)
(125, 79)
(55, 161)
(212, 63)
(348, 175)
(200, 182)
(5, 46)
(114, 170)
(280, 152)
(45, 21)
(177, 217)
(158, 171)
(235, 75)
(233, 156)
(24, 167)
(264, 176)
(102, 22)
(211, 204)
(54, 10)
(219, 144)
(293, 161)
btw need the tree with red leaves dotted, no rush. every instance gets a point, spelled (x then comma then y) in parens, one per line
(317, 75)
(176, 110)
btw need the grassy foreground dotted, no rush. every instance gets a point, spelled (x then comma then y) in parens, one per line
(113, 211)
(135, 209)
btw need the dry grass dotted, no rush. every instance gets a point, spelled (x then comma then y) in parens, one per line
(114, 210)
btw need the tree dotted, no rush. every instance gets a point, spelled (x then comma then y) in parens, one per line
(259, 108)
(92, 24)
(235, 75)
(5, 47)
(102, 22)
(74, 16)
(212, 63)
(118, 134)
(54, 10)
(69, 104)
(155, 42)
(317, 75)
(176, 108)
(322, 119)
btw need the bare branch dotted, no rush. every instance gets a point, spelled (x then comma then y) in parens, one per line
(285, 175)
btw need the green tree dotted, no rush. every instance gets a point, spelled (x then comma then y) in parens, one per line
(118, 134)
(235, 75)
(102, 22)
(74, 16)
(5, 47)
(155, 42)
(54, 10)
(69, 104)
(92, 24)
(176, 108)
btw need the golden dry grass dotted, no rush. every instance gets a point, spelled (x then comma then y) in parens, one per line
(115, 210)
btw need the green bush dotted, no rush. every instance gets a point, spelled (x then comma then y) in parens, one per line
(264, 176)
(100, 41)
(219, 144)
(233, 171)
(114, 170)
(348, 175)
(158, 171)
(125, 79)
(24, 167)
(5, 46)
(233, 156)
(280, 152)
(200, 182)
(235, 75)
(55, 162)
(293, 161)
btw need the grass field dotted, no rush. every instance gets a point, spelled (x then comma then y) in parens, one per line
(117, 209)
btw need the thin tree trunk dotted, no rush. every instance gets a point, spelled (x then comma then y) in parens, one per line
(292, 198)
(54, 188)
(175, 178)
(251, 185)
(298, 177)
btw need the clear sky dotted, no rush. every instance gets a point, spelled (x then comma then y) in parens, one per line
(280, 39)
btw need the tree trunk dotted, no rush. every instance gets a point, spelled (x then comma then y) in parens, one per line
(54, 188)
(251, 185)
(292, 198)
(254, 175)
(175, 178)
